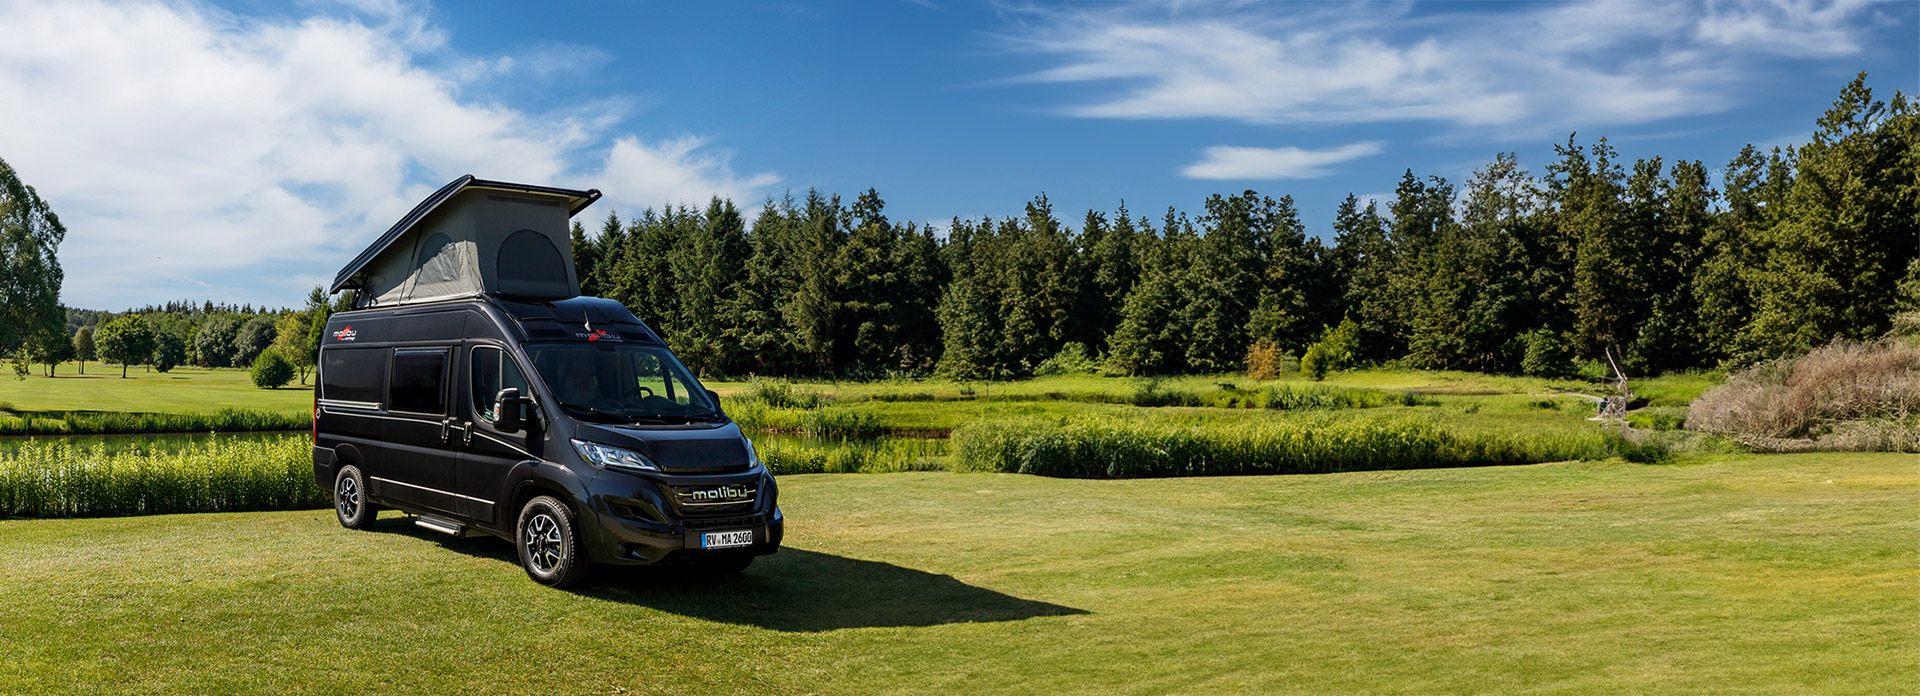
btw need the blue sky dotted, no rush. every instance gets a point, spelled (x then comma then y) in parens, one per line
(243, 151)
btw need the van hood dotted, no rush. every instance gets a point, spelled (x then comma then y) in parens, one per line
(694, 449)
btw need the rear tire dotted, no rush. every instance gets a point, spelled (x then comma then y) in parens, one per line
(548, 540)
(350, 502)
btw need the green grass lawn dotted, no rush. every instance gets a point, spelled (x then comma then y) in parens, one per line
(182, 390)
(1779, 574)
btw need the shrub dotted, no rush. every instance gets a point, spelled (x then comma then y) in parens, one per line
(1264, 360)
(1814, 394)
(271, 370)
(1071, 360)
(1334, 352)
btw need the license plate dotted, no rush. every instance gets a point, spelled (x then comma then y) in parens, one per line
(726, 540)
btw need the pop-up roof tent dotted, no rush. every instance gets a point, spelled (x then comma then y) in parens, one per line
(473, 237)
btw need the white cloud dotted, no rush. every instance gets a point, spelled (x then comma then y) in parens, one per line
(180, 144)
(1226, 162)
(1519, 72)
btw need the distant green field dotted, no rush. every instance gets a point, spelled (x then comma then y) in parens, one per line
(183, 390)
(1467, 401)
(1777, 574)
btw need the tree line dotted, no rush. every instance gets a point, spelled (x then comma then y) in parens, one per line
(1646, 263)
(1651, 264)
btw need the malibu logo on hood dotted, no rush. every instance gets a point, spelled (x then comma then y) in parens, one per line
(598, 335)
(345, 333)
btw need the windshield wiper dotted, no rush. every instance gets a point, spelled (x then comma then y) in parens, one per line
(578, 408)
(676, 418)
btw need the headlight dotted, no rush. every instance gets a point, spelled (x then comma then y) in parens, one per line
(753, 456)
(607, 457)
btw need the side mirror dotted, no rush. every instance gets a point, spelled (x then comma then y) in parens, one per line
(711, 394)
(507, 406)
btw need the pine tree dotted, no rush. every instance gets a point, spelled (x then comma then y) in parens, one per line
(1850, 227)
(756, 326)
(808, 310)
(870, 288)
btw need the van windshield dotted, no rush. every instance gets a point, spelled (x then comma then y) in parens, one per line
(622, 383)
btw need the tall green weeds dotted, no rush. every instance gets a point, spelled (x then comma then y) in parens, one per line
(850, 457)
(56, 479)
(1127, 449)
(226, 420)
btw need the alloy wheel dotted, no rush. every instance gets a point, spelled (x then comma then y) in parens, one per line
(347, 499)
(544, 549)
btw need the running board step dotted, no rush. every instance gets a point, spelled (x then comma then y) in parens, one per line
(443, 526)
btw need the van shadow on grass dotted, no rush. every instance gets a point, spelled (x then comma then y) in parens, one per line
(795, 590)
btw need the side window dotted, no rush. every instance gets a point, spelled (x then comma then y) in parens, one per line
(492, 372)
(353, 375)
(419, 381)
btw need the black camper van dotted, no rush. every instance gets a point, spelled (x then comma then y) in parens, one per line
(473, 387)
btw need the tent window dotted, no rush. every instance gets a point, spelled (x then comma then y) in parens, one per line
(529, 264)
(438, 261)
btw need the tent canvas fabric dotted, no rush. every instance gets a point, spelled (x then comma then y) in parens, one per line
(473, 237)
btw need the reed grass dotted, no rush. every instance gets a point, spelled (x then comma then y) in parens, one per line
(1111, 448)
(856, 457)
(57, 479)
(226, 420)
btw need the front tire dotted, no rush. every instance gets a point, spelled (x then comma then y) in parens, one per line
(549, 543)
(350, 502)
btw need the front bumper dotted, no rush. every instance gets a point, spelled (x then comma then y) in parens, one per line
(636, 521)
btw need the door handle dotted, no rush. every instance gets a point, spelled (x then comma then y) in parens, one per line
(467, 438)
(445, 425)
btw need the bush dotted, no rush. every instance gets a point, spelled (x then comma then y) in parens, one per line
(1128, 449)
(1843, 386)
(1334, 352)
(1547, 355)
(1071, 360)
(271, 370)
(1264, 360)
(57, 479)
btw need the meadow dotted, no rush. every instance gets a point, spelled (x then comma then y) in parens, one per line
(1774, 574)
(182, 400)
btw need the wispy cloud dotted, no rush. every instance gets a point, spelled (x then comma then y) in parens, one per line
(1225, 162)
(1519, 71)
(180, 143)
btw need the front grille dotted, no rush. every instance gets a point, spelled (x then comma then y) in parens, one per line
(709, 500)
(725, 522)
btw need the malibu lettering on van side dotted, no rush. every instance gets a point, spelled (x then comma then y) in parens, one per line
(345, 333)
(598, 335)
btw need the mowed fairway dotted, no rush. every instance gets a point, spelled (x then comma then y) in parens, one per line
(181, 390)
(1784, 574)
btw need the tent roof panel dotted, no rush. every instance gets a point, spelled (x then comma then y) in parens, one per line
(576, 201)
